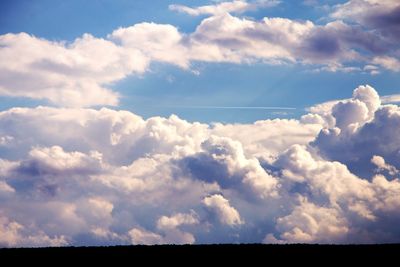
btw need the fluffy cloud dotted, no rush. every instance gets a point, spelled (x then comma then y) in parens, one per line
(159, 42)
(127, 180)
(14, 234)
(170, 228)
(73, 74)
(143, 237)
(310, 223)
(383, 166)
(223, 210)
(80, 73)
(378, 15)
(354, 142)
(223, 161)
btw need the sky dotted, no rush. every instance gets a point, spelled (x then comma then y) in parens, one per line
(244, 121)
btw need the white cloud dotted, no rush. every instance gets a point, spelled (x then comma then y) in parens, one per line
(80, 73)
(143, 237)
(225, 213)
(387, 62)
(387, 194)
(382, 165)
(223, 161)
(5, 189)
(358, 145)
(128, 180)
(159, 42)
(390, 99)
(309, 223)
(72, 74)
(237, 6)
(12, 235)
(265, 143)
(166, 223)
(43, 161)
(169, 226)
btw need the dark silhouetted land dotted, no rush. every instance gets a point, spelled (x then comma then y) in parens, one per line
(209, 254)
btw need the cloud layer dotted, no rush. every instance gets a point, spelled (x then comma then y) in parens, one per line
(363, 36)
(111, 177)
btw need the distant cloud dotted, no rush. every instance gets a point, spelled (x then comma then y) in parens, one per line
(390, 99)
(389, 63)
(237, 6)
(222, 209)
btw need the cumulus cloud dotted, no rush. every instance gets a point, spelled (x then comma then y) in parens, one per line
(383, 166)
(12, 235)
(73, 74)
(169, 226)
(143, 237)
(354, 142)
(223, 161)
(127, 180)
(159, 42)
(225, 213)
(309, 223)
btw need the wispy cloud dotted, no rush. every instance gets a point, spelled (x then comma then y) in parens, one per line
(390, 99)
(232, 107)
(238, 6)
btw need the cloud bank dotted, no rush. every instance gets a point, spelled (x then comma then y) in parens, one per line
(71, 176)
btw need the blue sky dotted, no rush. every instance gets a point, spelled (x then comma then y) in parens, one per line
(166, 88)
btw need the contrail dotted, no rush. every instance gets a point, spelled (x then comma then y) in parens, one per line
(231, 107)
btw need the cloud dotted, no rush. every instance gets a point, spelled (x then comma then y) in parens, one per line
(238, 6)
(378, 15)
(225, 213)
(165, 223)
(80, 73)
(158, 42)
(72, 74)
(390, 99)
(309, 223)
(127, 180)
(387, 62)
(169, 226)
(354, 142)
(143, 237)
(382, 165)
(12, 235)
(224, 162)
(54, 160)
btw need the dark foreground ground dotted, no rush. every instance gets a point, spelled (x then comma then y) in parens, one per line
(209, 254)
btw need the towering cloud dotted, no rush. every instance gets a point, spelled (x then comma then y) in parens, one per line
(127, 180)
